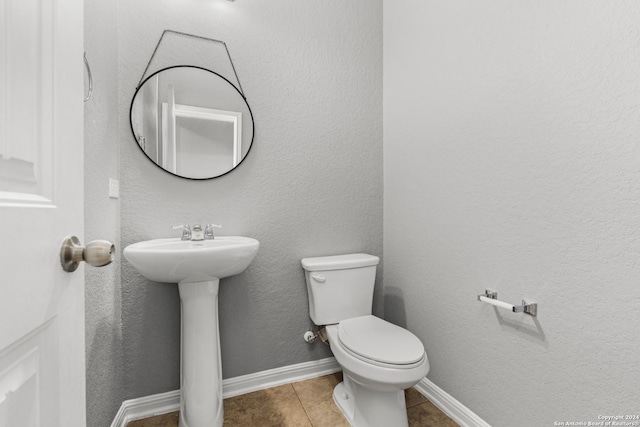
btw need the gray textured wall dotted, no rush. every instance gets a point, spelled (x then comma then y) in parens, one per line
(102, 216)
(311, 185)
(511, 162)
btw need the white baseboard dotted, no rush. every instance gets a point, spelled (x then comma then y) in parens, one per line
(449, 405)
(275, 377)
(147, 406)
(157, 404)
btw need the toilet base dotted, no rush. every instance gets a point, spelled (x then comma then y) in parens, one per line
(365, 407)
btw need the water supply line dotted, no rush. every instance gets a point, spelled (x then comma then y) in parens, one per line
(310, 337)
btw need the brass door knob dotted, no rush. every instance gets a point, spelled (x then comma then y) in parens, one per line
(97, 253)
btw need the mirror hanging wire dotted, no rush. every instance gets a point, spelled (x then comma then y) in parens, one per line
(197, 37)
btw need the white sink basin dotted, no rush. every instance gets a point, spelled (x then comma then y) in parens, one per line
(175, 260)
(197, 267)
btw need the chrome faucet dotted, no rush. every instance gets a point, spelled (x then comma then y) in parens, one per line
(196, 233)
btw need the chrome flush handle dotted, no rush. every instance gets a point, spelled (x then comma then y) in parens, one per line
(320, 278)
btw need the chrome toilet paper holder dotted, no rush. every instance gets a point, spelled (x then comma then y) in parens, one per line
(491, 297)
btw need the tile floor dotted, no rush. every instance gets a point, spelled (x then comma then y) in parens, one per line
(303, 404)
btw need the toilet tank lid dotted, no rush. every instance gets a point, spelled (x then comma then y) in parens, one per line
(339, 262)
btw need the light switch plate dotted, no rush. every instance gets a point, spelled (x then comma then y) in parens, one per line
(114, 188)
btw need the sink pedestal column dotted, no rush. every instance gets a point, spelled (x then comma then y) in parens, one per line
(200, 362)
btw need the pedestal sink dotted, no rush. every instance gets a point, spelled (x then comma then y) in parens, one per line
(197, 267)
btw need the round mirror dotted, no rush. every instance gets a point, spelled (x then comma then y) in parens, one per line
(191, 122)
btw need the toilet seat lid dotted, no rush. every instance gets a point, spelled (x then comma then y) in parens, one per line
(379, 340)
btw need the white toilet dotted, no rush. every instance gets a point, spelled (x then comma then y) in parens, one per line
(379, 360)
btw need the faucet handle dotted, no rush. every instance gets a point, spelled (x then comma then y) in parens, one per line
(186, 231)
(208, 231)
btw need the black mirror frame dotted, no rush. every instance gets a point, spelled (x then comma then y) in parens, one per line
(253, 124)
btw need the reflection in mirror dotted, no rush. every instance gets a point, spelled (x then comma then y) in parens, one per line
(192, 122)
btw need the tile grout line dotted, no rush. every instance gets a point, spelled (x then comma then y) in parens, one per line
(302, 404)
(418, 403)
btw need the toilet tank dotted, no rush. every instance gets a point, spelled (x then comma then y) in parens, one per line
(340, 286)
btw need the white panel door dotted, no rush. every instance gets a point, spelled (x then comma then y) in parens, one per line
(42, 378)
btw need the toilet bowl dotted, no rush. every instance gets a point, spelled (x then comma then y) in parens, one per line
(379, 360)
(375, 371)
